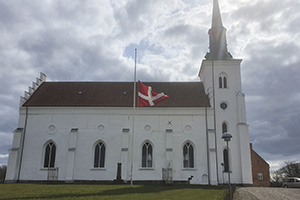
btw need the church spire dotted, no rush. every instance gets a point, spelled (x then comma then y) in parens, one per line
(216, 16)
(217, 37)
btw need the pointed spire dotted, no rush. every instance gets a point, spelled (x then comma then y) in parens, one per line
(217, 37)
(216, 16)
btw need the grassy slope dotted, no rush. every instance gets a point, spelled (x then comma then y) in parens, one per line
(115, 192)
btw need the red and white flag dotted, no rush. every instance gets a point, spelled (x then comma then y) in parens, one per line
(147, 97)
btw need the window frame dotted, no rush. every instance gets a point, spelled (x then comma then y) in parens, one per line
(224, 127)
(220, 82)
(188, 151)
(100, 157)
(223, 81)
(49, 155)
(226, 160)
(147, 157)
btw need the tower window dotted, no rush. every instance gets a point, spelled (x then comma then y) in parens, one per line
(223, 106)
(220, 82)
(224, 128)
(223, 81)
(226, 160)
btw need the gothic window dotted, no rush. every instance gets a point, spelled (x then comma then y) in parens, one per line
(99, 159)
(49, 159)
(224, 128)
(223, 81)
(188, 155)
(226, 160)
(220, 82)
(147, 155)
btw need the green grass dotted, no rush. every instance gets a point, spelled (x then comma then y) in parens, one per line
(110, 192)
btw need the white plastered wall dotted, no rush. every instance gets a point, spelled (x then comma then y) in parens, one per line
(75, 149)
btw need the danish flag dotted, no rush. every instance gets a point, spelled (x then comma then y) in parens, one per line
(147, 97)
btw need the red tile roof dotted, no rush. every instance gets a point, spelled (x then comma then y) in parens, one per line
(115, 94)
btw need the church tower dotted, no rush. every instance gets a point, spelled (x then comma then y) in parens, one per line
(221, 77)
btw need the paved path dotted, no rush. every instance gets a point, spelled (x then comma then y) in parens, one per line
(264, 193)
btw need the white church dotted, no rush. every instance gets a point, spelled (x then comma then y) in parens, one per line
(84, 131)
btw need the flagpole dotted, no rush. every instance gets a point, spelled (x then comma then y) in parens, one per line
(133, 120)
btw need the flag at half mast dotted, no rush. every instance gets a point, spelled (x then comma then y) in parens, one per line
(148, 97)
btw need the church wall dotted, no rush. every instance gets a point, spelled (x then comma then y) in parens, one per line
(178, 138)
(76, 131)
(36, 137)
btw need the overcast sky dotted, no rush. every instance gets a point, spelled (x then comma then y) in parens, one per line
(94, 40)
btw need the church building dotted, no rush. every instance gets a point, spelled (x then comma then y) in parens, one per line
(89, 131)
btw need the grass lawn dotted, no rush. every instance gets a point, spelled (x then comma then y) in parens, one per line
(111, 192)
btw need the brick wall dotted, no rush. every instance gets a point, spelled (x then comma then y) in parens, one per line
(260, 170)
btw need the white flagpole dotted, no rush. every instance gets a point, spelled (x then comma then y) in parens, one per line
(133, 120)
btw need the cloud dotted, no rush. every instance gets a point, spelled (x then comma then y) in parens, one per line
(271, 79)
(6, 141)
(3, 159)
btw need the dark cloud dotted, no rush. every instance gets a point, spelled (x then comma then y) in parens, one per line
(272, 86)
(6, 14)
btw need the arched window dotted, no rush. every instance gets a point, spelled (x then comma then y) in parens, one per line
(49, 159)
(224, 128)
(188, 155)
(226, 160)
(223, 81)
(147, 155)
(220, 82)
(99, 159)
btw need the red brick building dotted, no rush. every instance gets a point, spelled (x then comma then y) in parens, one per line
(260, 170)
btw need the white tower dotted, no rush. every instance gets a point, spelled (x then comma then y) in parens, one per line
(221, 77)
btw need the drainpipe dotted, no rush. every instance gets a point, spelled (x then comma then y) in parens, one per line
(207, 147)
